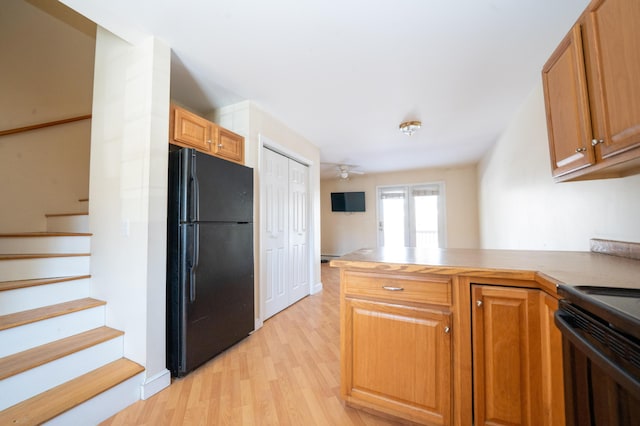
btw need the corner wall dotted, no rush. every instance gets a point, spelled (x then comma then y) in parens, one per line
(248, 120)
(522, 208)
(128, 192)
(346, 232)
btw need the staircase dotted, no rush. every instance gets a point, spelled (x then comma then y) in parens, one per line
(59, 363)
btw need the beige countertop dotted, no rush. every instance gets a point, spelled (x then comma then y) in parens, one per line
(548, 268)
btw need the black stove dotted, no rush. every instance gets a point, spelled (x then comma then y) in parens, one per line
(601, 354)
(620, 307)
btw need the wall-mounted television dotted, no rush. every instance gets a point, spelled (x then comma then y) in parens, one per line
(347, 201)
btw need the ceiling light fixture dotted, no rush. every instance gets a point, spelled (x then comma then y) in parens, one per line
(410, 127)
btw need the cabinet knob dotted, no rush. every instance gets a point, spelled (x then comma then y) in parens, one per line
(583, 149)
(479, 303)
(392, 288)
(220, 145)
(595, 142)
(209, 141)
(447, 330)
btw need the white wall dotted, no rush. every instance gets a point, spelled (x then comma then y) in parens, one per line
(128, 192)
(346, 232)
(46, 75)
(522, 208)
(248, 120)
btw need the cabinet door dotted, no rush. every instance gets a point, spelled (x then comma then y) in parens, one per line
(552, 372)
(506, 355)
(228, 145)
(397, 359)
(191, 130)
(567, 106)
(613, 37)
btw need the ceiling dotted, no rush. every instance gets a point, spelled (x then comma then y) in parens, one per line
(345, 74)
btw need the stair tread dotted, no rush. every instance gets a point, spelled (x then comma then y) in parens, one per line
(45, 234)
(39, 255)
(66, 214)
(35, 357)
(12, 285)
(49, 404)
(38, 314)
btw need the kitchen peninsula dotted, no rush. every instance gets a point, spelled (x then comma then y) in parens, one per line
(458, 336)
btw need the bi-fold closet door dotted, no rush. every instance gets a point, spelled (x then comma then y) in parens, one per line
(284, 223)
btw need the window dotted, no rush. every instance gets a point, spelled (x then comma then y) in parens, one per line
(411, 215)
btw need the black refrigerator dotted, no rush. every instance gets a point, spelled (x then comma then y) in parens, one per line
(210, 282)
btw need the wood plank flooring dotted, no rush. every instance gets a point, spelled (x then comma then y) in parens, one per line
(286, 373)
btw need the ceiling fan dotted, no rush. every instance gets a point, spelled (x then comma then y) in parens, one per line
(344, 170)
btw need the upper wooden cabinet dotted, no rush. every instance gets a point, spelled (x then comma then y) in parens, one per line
(614, 40)
(567, 105)
(228, 145)
(192, 131)
(592, 94)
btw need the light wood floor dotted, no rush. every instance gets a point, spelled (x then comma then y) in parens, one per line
(286, 373)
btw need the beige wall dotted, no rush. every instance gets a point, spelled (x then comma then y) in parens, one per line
(43, 171)
(345, 232)
(46, 74)
(522, 208)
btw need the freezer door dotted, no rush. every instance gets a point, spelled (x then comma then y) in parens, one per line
(214, 190)
(219, 291)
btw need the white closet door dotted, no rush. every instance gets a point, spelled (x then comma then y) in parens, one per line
(275, 232)
(298, 231)
(285, 232)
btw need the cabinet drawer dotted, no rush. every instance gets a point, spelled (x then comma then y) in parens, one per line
(409, 288)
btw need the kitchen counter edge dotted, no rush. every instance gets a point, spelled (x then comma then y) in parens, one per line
(547, 269)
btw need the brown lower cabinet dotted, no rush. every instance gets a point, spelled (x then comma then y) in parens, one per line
(507, 368)
(402, 356)
(553, 408)
(396, 354)
(517, 357)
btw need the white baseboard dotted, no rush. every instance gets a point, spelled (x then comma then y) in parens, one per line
(317, 288)
(258, 324)
(154, 384)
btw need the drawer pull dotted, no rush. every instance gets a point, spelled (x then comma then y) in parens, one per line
(392, 288)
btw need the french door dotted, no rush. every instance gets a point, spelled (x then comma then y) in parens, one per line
(411, 216)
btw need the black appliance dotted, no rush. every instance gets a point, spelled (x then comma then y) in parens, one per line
(210, 282)
(601, 354)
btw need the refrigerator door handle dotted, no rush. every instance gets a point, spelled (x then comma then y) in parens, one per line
(194, 265)
(195, 190)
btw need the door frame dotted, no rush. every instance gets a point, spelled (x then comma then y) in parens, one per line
(264, 142)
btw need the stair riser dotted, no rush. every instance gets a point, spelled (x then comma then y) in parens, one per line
(31, 245)
(50, 267)
(32, 382)
(27, 336)
(102, 406)
(23, 299)
(78, 223)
